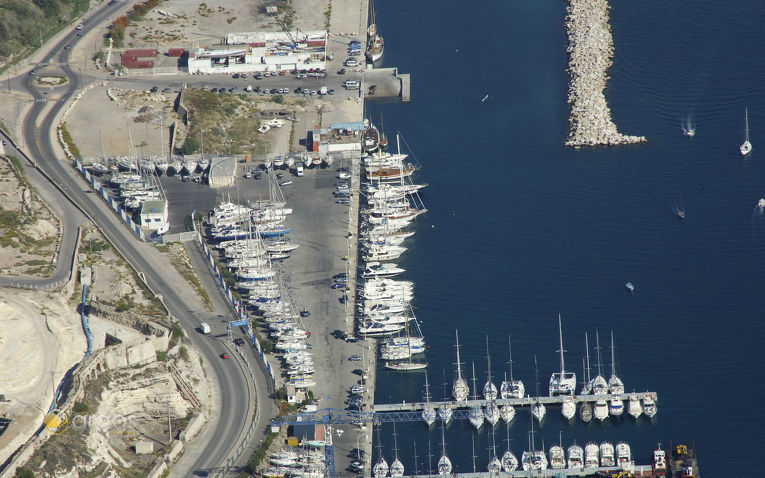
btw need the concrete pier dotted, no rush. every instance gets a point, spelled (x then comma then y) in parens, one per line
(590, 49)
(635, 470)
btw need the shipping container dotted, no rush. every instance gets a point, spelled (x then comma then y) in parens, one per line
(176, 52)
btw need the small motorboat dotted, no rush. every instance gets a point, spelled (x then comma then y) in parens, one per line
(761, 203)
(630, 287)
(680, 214)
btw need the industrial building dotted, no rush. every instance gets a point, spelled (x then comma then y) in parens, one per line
(261, 52)
(338, 137)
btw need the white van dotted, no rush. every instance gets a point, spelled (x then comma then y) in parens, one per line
(351, 85)
(299, 169)
(351, 62)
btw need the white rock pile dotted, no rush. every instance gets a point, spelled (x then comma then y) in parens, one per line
(590, 48)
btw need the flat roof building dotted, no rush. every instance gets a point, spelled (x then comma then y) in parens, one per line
(154, 214)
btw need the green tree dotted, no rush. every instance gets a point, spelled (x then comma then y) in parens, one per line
(190, 146)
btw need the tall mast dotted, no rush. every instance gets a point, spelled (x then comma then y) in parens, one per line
(459, 367)
(597, 347)
(488, 359)
(510, 348)
(475, 388)
(587, 346)
(613, 363)
(560, 336)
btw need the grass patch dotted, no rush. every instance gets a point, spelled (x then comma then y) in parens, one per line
(70, 142)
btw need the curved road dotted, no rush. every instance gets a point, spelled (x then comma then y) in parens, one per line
(229, 416)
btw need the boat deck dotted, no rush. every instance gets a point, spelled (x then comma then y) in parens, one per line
(516, 402)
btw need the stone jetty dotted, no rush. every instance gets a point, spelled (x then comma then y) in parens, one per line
(590, 49)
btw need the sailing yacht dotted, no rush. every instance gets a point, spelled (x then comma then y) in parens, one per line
(492, 414)
(460, 389)
(537, 409)
(746, 148)
(375, 42)
(506, 412)
(585, 412)
(494, 466)
(586, 380)
(509, 461)
(396, 468)
(380, 469)
(585, 409)
(562, 383)
(428, 411)
(615, 386)
(599, 384)
(512, 388)
(444, 463)
(475, 414)
(575, 456)
(489, 389)
(533, 459)
(607, 454)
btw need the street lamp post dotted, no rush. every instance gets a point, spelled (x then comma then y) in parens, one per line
(358, 446)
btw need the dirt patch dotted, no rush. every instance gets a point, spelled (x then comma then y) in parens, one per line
(29, 231)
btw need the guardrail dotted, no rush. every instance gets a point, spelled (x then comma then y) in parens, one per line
(238, 306)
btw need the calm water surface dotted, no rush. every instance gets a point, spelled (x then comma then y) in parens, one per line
(520, 228)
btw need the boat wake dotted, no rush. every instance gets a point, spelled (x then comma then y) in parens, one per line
(679, 211)
(689, 129)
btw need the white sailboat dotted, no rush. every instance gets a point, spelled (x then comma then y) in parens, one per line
(599, 384)
(615, 386)
(746, 148)
(428, 411)
(489, 389)
(460, 389)
(444, 463)
(396, 468)
(475, 414)
(512, 388)
(537, 409)
(445, 412)
(380, 469)
(586, 380)
(562, 383)
(509, 461)
(533, 459)
(585, 409)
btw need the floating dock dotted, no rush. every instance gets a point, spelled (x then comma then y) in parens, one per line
(636, 471)
(516, 402)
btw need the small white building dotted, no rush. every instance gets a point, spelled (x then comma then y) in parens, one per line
(154, 214)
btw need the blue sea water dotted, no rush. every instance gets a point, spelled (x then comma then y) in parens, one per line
(521, 228)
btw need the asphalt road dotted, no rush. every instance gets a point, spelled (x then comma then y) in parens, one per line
(229, 380)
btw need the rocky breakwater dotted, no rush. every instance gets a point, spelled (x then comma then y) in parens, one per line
(590, 48)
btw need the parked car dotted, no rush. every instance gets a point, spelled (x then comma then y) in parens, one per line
(344, 175)
(224, 356)
(355, 358)
(154, 89)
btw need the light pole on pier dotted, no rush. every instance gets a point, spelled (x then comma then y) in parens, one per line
(358, 446)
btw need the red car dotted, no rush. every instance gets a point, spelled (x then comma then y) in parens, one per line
(224, 356)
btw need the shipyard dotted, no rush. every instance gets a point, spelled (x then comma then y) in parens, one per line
(233, 173)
